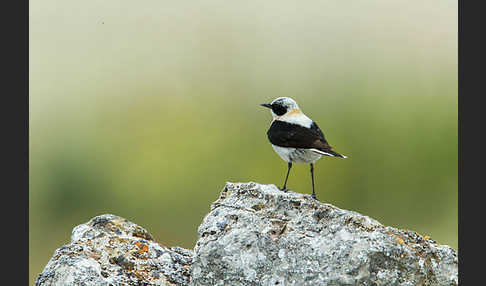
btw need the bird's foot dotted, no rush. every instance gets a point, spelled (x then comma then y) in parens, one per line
(315, 197)
(283, 189)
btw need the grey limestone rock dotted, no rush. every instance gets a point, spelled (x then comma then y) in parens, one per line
(110, 250)
(258, 235)
(255, 235)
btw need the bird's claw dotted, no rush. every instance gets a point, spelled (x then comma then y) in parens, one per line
(284, 189)
(315, 197)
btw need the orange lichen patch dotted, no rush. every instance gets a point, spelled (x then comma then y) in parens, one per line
(427, 237)
(406, 243)
(143, 249)
(400, 240)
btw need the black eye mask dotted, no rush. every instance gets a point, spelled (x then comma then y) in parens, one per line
(279, 109)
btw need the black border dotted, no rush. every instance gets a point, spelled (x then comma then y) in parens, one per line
(471, 128)
(15, 140)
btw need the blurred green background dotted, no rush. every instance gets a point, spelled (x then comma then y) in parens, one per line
(144, 109)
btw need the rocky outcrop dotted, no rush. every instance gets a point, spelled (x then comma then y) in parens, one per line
(110, 250)
(258, 235)
(255, 235)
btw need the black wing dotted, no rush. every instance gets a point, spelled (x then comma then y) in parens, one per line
(316, 128)
(286, 134)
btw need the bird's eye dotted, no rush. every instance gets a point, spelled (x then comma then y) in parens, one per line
(279, 109)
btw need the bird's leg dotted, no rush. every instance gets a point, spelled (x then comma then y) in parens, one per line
(284, 188)
(312, 176)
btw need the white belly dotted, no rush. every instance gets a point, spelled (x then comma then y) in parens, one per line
(296, 155)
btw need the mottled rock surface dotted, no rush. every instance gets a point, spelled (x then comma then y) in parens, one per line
(255, 235)
(258, 235)
(110, 250)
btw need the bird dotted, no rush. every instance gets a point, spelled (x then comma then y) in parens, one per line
(295, 137)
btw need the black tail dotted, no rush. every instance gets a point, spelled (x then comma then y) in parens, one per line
(329, 153)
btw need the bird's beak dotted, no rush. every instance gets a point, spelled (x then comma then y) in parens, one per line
(266, 105)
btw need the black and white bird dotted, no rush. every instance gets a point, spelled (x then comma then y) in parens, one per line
(295, 137)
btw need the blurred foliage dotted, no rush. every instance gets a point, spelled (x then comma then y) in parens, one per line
(145, 111)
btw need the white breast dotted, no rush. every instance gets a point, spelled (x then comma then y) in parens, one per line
(296, 155)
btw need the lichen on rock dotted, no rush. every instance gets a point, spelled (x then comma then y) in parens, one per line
(110, 250)
(258, 235)
(255, 235)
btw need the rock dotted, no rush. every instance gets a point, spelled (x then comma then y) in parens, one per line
(255, 235)
(258, 235)
(110, 250)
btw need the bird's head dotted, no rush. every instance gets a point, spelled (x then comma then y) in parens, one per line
(282, 106)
